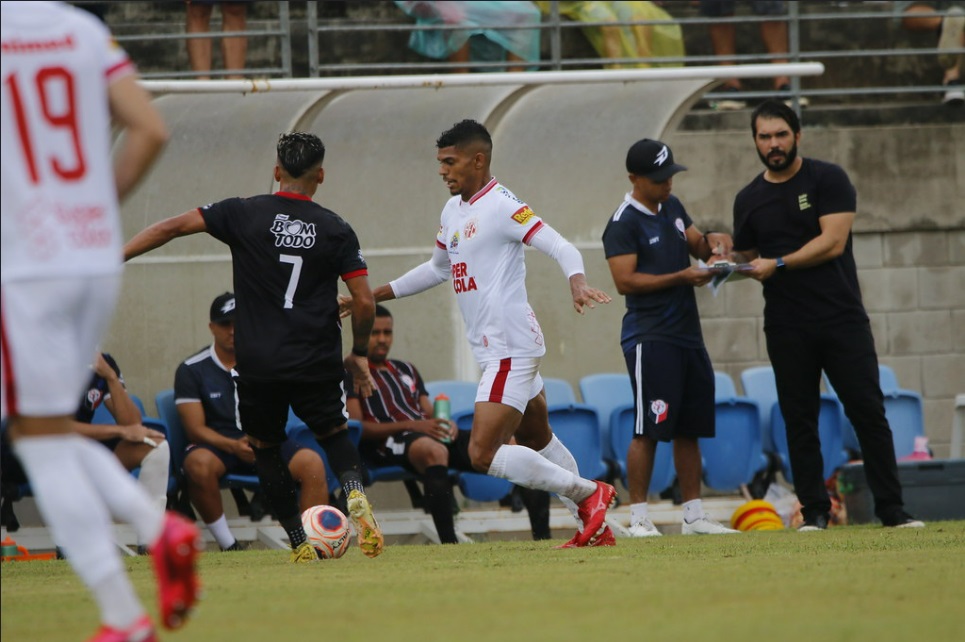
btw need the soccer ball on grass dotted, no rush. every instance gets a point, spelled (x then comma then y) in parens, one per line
(327, 529)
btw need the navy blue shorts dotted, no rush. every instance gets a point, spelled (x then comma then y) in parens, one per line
(236, 466)
(673, 390)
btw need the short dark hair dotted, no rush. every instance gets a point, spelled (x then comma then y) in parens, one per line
(775, 109)
(463, 133)
(382, 311)
(298, 152)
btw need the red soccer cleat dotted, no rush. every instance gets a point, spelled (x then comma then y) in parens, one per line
(592, 512)
(140, 631)
(174, 555)
(606, 538)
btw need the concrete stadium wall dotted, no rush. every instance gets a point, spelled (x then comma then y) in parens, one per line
(560, 149)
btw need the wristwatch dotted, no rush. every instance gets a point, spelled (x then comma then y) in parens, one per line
(780, 263)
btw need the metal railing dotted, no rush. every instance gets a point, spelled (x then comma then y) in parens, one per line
(554, 28)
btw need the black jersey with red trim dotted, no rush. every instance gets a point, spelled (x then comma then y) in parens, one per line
(288, 253)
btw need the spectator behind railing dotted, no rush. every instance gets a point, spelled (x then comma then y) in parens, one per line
(622, 40)
(480, 40)
(921, 16)
(233, 50)
(723, 38)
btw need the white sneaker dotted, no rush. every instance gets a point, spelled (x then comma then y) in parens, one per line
(644, 529)
(952, 26)
(705, 526)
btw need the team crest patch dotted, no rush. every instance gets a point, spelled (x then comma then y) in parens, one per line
(94, 397)
(523, 215)
(658, 410)
(470, 230)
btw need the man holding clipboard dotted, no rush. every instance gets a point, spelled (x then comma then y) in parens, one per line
(649, 242)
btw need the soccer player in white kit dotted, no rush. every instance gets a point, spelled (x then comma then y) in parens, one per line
(63, 77)
(480, 245)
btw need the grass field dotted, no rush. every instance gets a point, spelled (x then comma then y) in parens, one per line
(846, 584)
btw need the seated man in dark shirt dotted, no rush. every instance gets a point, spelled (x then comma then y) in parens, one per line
(397, 418)
(205, 396)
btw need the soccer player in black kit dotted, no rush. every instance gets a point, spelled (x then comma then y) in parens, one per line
(792, 223)
(288, 253)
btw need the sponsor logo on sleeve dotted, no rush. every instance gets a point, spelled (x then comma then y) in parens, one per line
(523, 215)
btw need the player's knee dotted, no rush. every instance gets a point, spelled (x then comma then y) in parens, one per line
(481, 457)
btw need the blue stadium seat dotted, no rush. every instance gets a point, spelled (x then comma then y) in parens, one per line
(903, 408)
(621, 424)
(462, 394)
(758, 384)
(558, 391)
(724, 386)
(734, 456)
(829, 432)
(578, 427)
(606, 392)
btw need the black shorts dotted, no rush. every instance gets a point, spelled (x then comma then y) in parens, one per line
(263, 406)
(235, 466)
(676, 387)
(394, 451)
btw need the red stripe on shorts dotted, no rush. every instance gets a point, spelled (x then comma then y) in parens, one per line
(8, 382)
(499, 383)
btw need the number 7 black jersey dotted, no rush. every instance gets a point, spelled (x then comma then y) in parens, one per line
(287, 254)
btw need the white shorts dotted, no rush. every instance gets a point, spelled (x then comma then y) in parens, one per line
(512, 382)
(51, 329)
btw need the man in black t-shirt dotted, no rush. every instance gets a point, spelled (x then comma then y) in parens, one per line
(648, 243)
(793, 225)
(288, 253)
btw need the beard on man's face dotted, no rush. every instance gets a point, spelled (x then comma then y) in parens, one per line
(777, 160)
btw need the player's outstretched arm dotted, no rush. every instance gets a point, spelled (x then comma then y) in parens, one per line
(161, 232)
(584, 295)
(144, 132)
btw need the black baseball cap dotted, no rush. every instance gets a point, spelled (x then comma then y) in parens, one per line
(652, 159)
(223, 308)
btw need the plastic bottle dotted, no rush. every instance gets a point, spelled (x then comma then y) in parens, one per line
(441, 410)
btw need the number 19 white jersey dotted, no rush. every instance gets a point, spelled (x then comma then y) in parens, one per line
(485, 239)
(59, 201)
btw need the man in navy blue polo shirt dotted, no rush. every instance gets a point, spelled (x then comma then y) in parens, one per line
(648, 244)
(207, 406)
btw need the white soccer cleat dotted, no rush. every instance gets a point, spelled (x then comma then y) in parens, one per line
(705, 526)
(644, 529)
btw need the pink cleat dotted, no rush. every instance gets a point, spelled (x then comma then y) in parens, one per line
(606, 538)
(592, 512)
(140, 631)
(174, 554)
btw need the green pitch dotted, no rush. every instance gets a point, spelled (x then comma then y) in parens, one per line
(849, 584)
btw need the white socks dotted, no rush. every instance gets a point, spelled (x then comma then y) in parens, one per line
(693, 510)
(124, 497)
(73, 508)
(638, 513)
(526, 467)
(222, 534)
(557, 453)
(154, 474)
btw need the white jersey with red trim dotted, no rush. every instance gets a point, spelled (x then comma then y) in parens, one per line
(59, 200)
(484, 238)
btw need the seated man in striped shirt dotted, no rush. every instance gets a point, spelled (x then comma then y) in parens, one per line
(397, 418)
